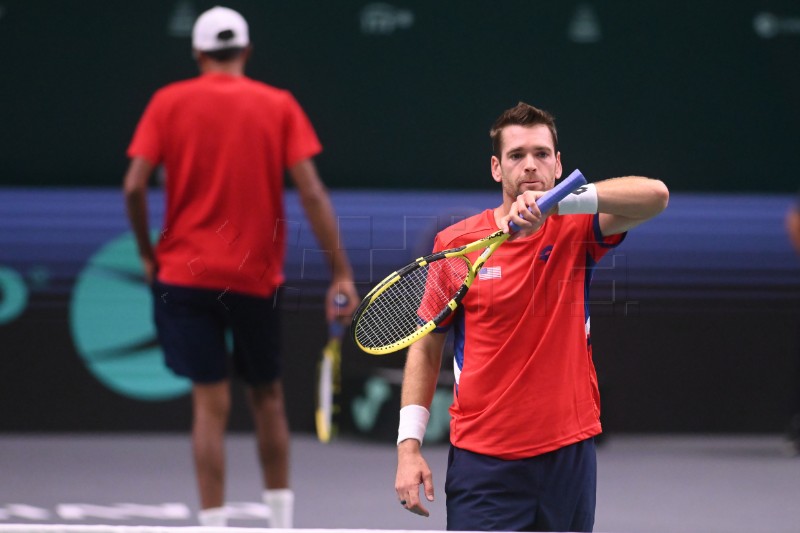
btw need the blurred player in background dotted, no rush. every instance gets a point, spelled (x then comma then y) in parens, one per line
(526, 403)
(793, 431)
(226, 142)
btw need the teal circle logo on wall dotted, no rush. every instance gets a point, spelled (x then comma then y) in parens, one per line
(13, 295)
(112, 325)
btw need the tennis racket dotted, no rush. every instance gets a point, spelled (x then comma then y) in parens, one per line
(411, 302)
(329, 378)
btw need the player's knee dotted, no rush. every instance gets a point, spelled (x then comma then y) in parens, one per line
(266, 395)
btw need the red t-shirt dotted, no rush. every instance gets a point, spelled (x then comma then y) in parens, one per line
(525, 381)
(225, 142)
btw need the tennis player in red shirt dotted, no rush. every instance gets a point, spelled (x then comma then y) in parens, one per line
(226, 142)
(526, 404)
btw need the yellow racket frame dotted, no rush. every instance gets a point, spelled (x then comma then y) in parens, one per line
(489, 244)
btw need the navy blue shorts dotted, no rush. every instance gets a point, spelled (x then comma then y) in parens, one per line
(554, 491)
(192, 326)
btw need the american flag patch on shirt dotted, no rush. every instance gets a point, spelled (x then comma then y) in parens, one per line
(489, 273)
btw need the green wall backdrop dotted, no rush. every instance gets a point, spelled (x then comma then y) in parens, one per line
(702, 94)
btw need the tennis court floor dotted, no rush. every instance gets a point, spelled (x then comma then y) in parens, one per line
(647, 483)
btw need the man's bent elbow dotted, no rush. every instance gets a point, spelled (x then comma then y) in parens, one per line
(661, 195)
(134, 185)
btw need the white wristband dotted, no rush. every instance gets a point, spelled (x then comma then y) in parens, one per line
(583, 201)
(413, 421)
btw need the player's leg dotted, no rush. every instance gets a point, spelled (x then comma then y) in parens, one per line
(488, 494)
(211, 407)
(191, 332)
(272, 433)
(568, 502)
(255, 323)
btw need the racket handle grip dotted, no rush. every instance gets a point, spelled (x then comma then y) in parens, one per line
(336, 327)
(556, 194)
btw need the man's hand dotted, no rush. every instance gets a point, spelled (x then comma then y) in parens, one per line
(333, 309)
(525, 214)
(412, 471)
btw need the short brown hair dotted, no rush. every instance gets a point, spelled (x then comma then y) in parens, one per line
(521, 115)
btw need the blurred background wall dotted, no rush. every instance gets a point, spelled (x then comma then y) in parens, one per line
(695, 317)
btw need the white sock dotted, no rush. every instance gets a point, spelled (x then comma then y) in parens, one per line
(213, 517)
(281, 507)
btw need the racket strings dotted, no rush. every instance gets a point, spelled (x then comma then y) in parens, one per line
(410, 302)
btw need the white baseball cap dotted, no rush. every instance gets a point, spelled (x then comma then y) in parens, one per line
(220, 28)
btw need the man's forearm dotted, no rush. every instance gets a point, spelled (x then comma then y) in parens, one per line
(632, 197)
(136, 205)
(421, 374)
(134, 188)
(321, 215)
